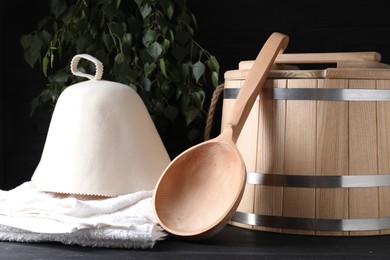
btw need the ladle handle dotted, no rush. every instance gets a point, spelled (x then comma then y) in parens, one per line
(255, 80)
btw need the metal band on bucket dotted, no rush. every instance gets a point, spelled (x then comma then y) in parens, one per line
(308, 181)
(333, 94)
(317, 181)
(364, 224)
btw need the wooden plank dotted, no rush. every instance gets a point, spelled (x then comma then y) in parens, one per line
(270, 153)
(326, 57)
(332, 155)
(300, 153)
(246, 144)
(318, 58)
(357, 73)
(280, 74)
(362, 64)
(383, 110)
(298, 74)
(363, 202)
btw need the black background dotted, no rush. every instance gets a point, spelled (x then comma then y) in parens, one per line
(231, 30)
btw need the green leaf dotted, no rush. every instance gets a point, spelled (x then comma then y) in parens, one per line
(118, 3)
(44, 22)
(154, 50)
(171, 113)
(162, 67)
(120, 68)
(133, 75)
(148, 68)
(42, 98)
(163, 23)
(198, 70)
(55, 93)
(109, 10)
(60, 77)
(82, 43)
(149, 37)
(185, 70)
(67, 37)
(184, 102)
(94, 15)
(45, 36)
(31, 57)
(34, 105)
(170, 11)
(194, 21)
(127, 38)
(50, 53)
(45, 64)
(159, 108)
(145, 10)
(179, 53)
(102, 55)
(119, 58)
(32, 45)
(174, 75)
(116, 29)
(147, 84)
(168, 90)
(82, 26)
(144, 56)
(139, 2)
(126, 44)
(171, 36)
(191, 113)
(164, 4)
(134, 25)
(213, 64)
(214, 78)
(197, 98)
(185, 17)
(182, 37)
(165, 45)
(108, 42)
(66, 18)
(57, 7)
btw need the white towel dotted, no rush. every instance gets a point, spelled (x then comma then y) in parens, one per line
(126, 221)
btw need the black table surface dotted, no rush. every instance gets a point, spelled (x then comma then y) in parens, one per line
(231, 243)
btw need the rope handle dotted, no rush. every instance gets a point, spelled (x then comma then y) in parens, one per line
(213, 104)
(98, 67)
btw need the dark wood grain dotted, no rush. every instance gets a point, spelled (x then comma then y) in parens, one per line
(230, 243)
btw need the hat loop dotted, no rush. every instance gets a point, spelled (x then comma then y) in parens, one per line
(98, 67)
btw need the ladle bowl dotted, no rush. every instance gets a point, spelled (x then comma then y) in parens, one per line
(204, 166)
(201, 188)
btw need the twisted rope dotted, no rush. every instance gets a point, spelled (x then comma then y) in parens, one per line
(210, 116)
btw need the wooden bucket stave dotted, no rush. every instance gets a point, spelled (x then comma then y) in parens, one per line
(317, 152)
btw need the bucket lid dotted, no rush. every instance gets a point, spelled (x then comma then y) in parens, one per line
(101, 140)
(349, 65)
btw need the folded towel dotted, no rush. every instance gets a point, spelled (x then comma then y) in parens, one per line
(126, 221)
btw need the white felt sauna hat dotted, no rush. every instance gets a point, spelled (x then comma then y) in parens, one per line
(101, 140)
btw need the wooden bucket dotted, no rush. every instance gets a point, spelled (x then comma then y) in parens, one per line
(317, 147)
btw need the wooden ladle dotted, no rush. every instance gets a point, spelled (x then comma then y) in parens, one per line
(200, 190)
